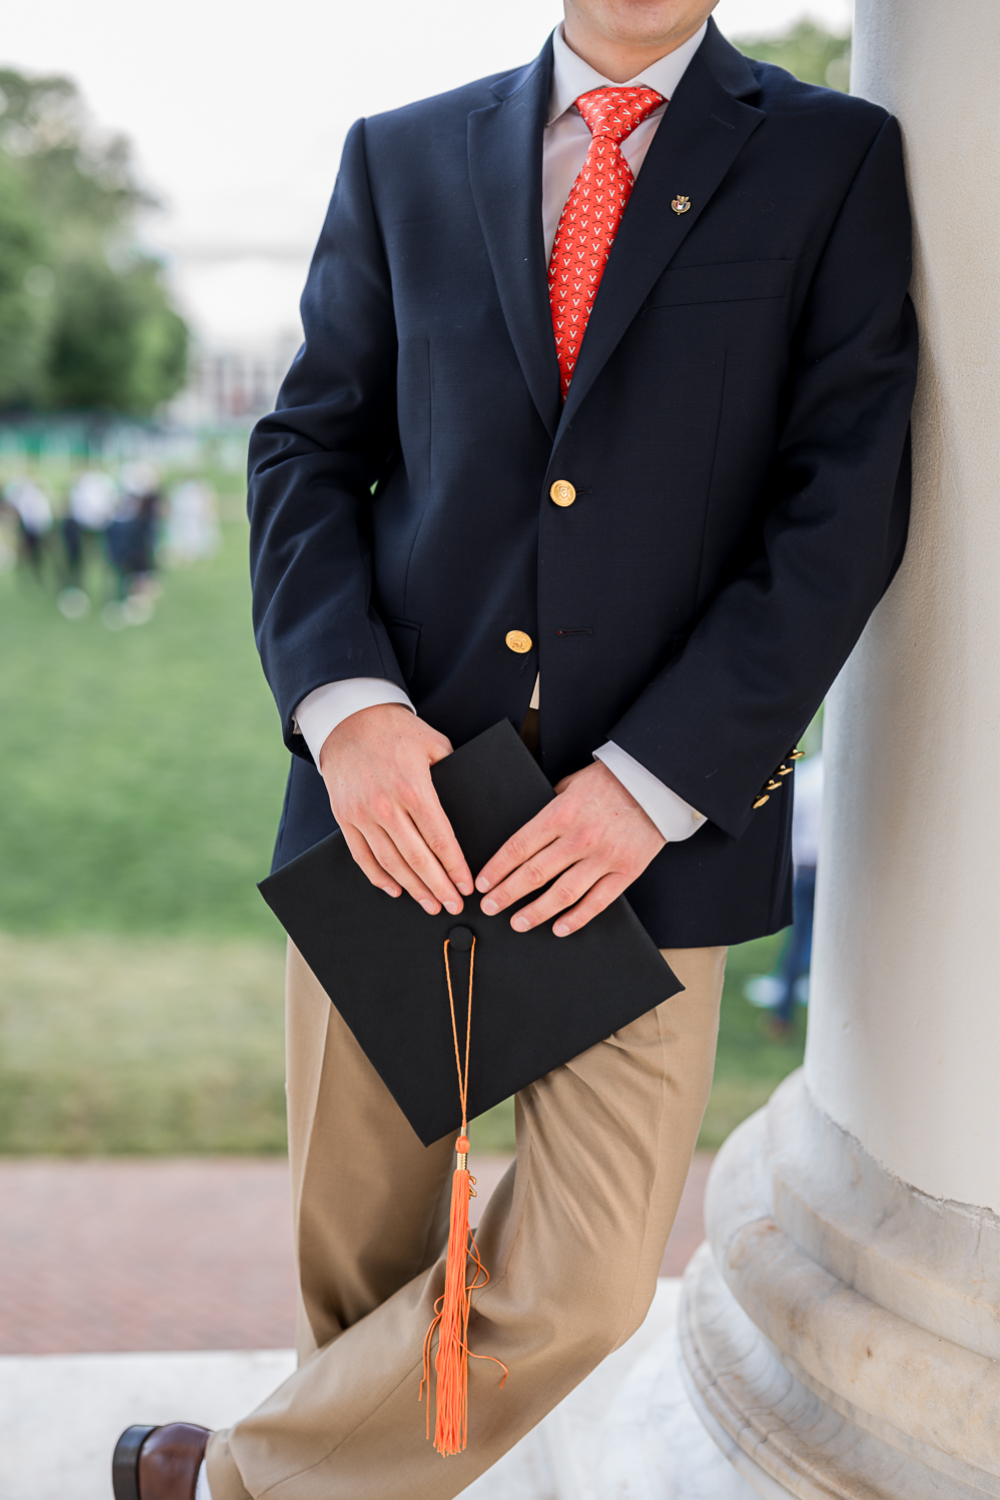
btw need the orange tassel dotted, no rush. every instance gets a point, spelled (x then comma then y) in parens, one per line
(452, 1363)
(452, 1310)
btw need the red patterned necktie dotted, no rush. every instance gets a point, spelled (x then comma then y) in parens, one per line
(593, 212)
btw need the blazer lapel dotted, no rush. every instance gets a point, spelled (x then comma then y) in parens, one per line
(702, 132)
(505, 165)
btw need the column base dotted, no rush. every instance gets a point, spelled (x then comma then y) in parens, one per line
(841, 1331)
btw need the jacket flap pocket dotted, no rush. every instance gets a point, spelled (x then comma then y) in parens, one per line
(731, 281)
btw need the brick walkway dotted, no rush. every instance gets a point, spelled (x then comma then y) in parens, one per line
(178, 1254)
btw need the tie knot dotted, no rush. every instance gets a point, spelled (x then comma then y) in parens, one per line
(615, 112)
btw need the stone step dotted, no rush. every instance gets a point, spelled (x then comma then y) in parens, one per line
(627, 1433)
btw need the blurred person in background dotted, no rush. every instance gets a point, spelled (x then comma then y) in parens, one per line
(92, 500)
(788, 985)
(600, 426)
(33, 509)
(192, 528)
(132, 531)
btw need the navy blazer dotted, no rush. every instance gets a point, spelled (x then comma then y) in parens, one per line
(736, 431)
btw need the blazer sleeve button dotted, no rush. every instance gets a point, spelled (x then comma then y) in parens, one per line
(562, 492)
(519, 641)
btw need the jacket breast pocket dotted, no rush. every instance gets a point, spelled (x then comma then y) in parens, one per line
(729, 281)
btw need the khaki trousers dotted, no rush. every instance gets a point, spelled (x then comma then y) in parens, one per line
(573, 1239)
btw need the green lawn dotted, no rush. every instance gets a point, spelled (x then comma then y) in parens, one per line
(173, 1045)
(143, 769)
(140, 972)
(112, 1044)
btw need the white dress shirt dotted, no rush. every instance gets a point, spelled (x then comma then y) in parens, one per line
(564, 149)
(567, 135)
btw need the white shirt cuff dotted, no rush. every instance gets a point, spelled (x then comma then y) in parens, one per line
(325, 707)
(675, 818)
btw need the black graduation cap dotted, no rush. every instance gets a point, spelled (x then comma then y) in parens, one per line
(537, 1000)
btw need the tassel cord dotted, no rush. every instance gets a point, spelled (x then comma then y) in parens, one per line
(453, 1308)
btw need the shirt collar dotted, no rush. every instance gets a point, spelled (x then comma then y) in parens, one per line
(571, 76)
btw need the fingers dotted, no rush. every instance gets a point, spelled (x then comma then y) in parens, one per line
(600, 896)
(531, 876)
(363, 856)
(438, 836)
(423, 864)
(590, 842)
(398, 867)
(586, 886)
(571, 886)
(523, 845)
(440, 746)
(404, 852)
(376, 765)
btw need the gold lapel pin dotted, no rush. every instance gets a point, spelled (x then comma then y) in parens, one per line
(681, 204)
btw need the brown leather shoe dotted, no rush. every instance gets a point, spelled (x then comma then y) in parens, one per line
(158, 1463)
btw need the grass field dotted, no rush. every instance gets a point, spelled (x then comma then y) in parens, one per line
(140, 972)
(143, 769)
(113, 1044)
(164, 1045)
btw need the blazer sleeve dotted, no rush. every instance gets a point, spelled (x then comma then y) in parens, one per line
(715, 723)
(315, 460)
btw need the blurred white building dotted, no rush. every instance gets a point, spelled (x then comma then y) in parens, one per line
(241, 303)
(233, 385)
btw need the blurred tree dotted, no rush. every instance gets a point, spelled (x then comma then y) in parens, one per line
(22, 324)
(115, 343)
(809, 51)
(85, 318)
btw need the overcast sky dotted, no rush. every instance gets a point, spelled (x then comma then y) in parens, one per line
(238, 111)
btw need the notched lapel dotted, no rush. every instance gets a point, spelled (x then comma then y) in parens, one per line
(705, 127)
(505, 166)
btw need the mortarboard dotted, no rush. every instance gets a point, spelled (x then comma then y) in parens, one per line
(539, 1000)
(426, 996)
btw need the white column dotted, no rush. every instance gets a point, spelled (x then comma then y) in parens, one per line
(842, 1338)
(904, 1036)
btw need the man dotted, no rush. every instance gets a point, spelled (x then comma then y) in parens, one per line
(31, 505)
(600, 424)
(93, 500)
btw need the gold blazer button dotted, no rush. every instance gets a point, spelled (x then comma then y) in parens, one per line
(562, 492)
(518, 641)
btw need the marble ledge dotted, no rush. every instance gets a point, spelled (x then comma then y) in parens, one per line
(628, 1431)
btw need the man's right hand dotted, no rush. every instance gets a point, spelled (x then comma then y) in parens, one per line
(377, 768)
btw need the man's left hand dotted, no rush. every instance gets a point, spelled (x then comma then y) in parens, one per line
(593, 836)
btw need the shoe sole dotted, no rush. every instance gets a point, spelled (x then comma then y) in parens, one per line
(125, 1463)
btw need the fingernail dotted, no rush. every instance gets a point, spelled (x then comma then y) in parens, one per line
(482, 884)
(430, 907)
(520, 924)
(490, 908)
(561, 930)
(464, 887)
(452, 907)
(390, 890)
